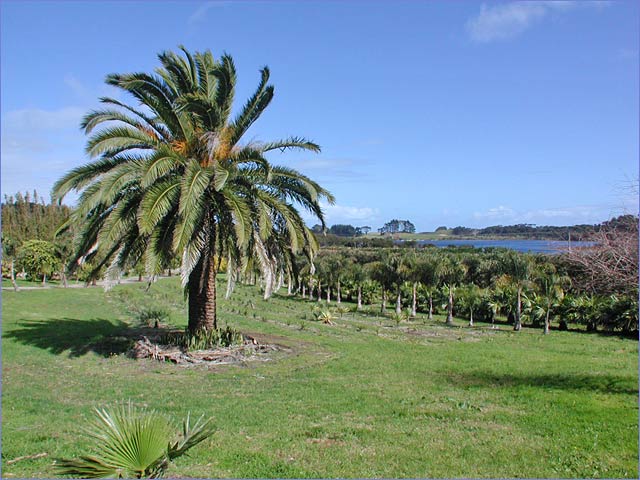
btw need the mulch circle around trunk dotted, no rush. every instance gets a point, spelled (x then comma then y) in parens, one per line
(252, 349)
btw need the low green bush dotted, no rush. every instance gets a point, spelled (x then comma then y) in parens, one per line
(203, 340)
(152, 316)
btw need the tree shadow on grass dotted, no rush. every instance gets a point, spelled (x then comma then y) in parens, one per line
(75, 336)
(613, 384)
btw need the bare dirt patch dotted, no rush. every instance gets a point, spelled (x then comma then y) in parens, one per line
(147, 343)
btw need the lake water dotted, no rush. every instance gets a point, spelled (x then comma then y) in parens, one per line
(531, 246)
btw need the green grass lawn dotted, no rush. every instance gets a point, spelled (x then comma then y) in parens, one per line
(362, 398)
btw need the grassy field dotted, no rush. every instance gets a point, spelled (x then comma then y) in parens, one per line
(362, 398)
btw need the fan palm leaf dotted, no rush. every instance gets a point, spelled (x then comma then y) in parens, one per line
(133, 443)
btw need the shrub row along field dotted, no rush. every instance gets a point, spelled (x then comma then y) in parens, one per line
(364, 397)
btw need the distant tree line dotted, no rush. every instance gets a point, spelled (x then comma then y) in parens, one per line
(31, 242)
(38, 242)
(342, 230)
(530, 231)
(398, 226)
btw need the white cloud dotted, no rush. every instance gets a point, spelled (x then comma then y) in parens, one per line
(200, 14)
(77, 86)
(38, 146)
(628, 54)
(38, 119)
(321, 163)
(349, 213)
(574, 214)
(507, 20)
(330, 170)
(335, 214)
(502, 215)
(500, 212)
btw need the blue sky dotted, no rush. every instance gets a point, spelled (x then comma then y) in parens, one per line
(443, 113)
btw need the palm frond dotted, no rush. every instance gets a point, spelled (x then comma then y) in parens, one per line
(157, 202)
(159, 128)
(291, 142)
(81, 176)
(152, 92)
(163, 162)
(192, 435)
(192, 203)
(113, 140)
(225, 73)
(133, 443)
(254, 107)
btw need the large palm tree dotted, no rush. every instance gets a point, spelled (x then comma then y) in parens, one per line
(172, 177)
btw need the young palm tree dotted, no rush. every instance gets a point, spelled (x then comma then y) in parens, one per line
(451, 273)
(357, 274)
(381, 273)
(471, 296)
(552, 287)
(519, 268)
(172, 177)
(427, 274)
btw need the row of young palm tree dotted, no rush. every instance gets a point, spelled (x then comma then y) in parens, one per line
(476, 285)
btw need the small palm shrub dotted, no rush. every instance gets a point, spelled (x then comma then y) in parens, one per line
(399, 317)
(325, 316)
(133, 443)
(152, 316)
(203, 339)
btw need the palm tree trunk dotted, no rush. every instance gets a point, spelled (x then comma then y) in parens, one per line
(304, 291)
(414, 300)
(430, 307)
(517, 324)
(450, 308)
(44, 279)
(339, 296)
(399, 303)
(319, 291)
(359, 297)
(202, 296)
(13, 276)
(546, 319)
(383, 305)
(328, 293)
(471, 317)
(63, 277)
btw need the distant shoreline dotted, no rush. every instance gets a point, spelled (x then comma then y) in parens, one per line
(407, 237)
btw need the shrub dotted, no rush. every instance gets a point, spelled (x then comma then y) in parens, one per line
(152, 316)
(203, 339)
(324, 316)
(38, 258)
(133, 443)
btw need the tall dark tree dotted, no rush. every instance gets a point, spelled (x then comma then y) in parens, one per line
(173, 178)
